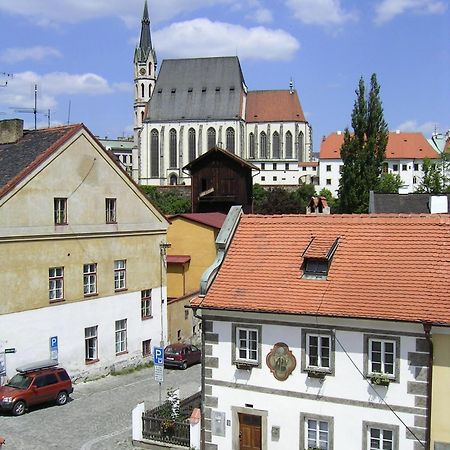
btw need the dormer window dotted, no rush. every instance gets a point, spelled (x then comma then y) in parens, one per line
(317, 257)
(190, 90)
(173, 91)
(315, 268)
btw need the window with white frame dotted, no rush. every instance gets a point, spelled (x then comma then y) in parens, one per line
(318, 351)
(55, 283)
(110, 210)
(247, 345)
(120, 274)
(146, 303)
(91, 344)
(90, 279)
(121, 336)
(382, 356)
(317, 434)
(60, 211)
(380, 436)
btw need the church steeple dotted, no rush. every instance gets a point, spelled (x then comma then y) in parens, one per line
(145, 42)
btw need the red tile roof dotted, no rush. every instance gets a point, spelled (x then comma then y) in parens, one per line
(400, 146)
(273, 106)
(214, 219)
(177, 259)
(308, 164)
(385, 267)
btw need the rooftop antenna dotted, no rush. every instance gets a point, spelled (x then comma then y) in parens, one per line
(68, 113)
(34, 110)
(6, 75)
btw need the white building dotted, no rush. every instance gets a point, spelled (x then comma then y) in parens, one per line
(315, 336)
(122, 148)
(194, 104)
(405, 153)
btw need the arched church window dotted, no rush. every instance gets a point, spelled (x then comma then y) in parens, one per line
(275, 145)
(142, 117)
(191, 144)
(251, 146)
(263, 145)
(211, 137)
(154, 153)
(142, 90)
(149, 90)
(230, 140)
(288, 145)
(173, 148)
(173, 180)
(149, 68)
(301, 145)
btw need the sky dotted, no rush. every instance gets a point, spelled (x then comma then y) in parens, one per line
(80, 55)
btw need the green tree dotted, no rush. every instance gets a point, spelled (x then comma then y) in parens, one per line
(363, 150)
(168, 202)
(389, 183)
(333, 202)
(432, 181)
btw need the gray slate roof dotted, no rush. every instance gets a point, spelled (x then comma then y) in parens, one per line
(145, 42)
(197, 89)
(401, 203)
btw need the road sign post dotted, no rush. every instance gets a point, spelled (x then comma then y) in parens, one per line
(158, 364)
(54, 348)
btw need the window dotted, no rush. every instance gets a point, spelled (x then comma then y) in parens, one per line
(179, 335)
(316, 432)
(211, 137)
(173, 148)
(110, 208)
(301, 144)
(318, 351)
(146, 304)
(91, 344)
(121, 336)
(274, 178)
(60, 211)
(384, 168)
(186, 314)
(56, 283)
(416, 167)
(263, 166)
(404, 167)
(288, 144)
(247, 348)
(263, 145)
(154, 153)
(146, 348)
(191, 144)
(315, 268)
(382, 353)
(142, 90)
(328, 181)
(286, 166)
(120, 272)
(190, 90)
(328, 167)
(414, 180)
(251, 146)
(275, 145)
(263, 178)
(45, 380)
(395, 167)
(341, 169)
(90, 279)
(173, 90)
(230, 140)
(274, 166)
(379, 436)
(304, 168)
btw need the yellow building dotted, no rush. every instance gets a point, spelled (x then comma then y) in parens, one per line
(192, 238)
(82, 246)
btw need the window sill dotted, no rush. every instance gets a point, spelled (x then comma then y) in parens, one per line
(111, 223)
(317, 373)
(58, 300)
(91, 295)
(243, 365)
(120, 290)
(88, 362)
(122, 353)
(146, 317)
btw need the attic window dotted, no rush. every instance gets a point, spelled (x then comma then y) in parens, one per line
(203, 89)
(160, 91)
(217, 89)
(190, 90)
(318, 256)
(173, 91)
(315, 268)
(231, 88)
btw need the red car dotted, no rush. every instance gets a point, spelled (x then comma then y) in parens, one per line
(181, 355)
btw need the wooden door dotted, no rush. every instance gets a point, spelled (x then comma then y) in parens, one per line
(249, 432)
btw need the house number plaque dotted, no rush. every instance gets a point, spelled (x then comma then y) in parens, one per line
(281, 361)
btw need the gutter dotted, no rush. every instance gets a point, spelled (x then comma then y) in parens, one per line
(427, 331)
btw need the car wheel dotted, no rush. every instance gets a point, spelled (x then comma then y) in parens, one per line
(61, 398)
(19, 408)
(184, 365)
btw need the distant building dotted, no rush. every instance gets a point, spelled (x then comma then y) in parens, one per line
(408, 203)
(122, 148)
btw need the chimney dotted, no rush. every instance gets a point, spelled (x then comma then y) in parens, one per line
(397, 131)
(338, 132)
(11, 131)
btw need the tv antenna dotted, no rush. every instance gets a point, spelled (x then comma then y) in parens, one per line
(6, 75)
(34, 110)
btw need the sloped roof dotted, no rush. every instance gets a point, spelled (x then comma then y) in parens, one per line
(403, 145)
(273, 106)
(385, 267)
(197, 89)
(213, 219)
(401, 203)
(177, 259)
(18, 159)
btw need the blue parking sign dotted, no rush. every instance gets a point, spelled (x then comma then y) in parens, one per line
(158, 355)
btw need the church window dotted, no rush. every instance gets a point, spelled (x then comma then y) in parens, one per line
(288, 145)
(137, 90)
(173, 148)
(149, 68)
(211, 137)
(263, 145)
(142, 116)
(154, 153)
(142, 90)
(173, 180)
(149, 90)
(251, 146)
(301, 144)
(230, 139)
(275, 145)
(191, 144)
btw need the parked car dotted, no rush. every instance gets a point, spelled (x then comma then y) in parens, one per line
(34, 384)
(181, 355)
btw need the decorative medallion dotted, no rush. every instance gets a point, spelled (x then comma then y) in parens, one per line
(281, 361)
(142, 71)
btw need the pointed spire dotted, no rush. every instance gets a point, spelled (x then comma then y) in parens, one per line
(145, 43)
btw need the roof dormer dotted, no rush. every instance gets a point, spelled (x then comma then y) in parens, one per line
(318, 256)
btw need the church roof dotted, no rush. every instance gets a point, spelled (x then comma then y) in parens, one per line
(274, 106)
(197, 89)
(145, 42)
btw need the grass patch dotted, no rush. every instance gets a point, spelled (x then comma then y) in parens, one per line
(131, 369)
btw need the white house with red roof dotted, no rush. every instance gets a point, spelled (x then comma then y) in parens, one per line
(405, 153)
(317, 332)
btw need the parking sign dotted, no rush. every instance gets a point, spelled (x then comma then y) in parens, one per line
(54, 348)
(158, 356)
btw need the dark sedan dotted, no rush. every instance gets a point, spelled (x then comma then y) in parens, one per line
(181, 355)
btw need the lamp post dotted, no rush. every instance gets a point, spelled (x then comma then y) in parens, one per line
(163, 246)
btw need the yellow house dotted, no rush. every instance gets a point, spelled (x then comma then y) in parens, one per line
(192, 238)
(83, 280)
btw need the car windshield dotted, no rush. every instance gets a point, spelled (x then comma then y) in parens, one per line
(173, 350)
(19, 381)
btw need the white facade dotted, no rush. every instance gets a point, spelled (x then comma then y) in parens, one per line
(345, 400)
(29, 333)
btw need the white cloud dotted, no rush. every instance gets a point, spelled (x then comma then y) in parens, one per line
(37, 53)
(202, 37)
(386, 10)
(262, 15)
(320, 12)
(427, 128)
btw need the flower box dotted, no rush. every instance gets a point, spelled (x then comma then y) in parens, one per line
(380, 379)
(314, 373)
(244, 365)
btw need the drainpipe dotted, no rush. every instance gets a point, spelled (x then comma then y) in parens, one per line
(427, 331)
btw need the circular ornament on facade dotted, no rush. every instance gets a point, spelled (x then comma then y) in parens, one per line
(281, 361)
(142, 71)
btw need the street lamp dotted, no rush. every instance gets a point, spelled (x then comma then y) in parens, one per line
(163, 246)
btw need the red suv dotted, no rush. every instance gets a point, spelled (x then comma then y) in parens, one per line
(181, 355)
(34, 384)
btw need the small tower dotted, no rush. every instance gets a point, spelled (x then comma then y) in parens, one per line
(144, 73)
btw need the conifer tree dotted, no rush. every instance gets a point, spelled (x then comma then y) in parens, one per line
(363, 150)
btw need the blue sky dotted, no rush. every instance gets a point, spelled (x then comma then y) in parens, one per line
(81, 51)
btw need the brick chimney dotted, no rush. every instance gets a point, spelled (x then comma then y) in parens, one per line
(11, 131)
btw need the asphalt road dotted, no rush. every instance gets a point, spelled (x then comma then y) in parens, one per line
(98, 416)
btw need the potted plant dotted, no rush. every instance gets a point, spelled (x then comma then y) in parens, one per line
(380, 379)
(316, 373)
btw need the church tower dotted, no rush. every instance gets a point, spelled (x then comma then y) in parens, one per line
(144, 79)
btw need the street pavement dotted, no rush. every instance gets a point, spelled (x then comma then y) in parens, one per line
(98, 416)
